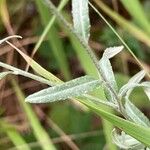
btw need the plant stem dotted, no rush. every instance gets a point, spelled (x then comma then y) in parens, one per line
(99, 101)
(86, 46)
(46, 30)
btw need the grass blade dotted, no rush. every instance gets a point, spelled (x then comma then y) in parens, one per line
(131, 28)
(35, 66)
(82, 55)
(47, 28)
(14, 135)
(54, 40)
(130, 128)
(135, 8)
(38, 130)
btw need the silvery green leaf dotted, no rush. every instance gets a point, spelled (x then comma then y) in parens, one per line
(128, 87)
(112, 51)
(98, 101)
(125, 141)
(132, 83)
(135, 114)
(137, 77)
(73, 88)
(107, 72)
(80, 12)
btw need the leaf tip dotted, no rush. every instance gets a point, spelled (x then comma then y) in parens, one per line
(27, 100)
(112, 51)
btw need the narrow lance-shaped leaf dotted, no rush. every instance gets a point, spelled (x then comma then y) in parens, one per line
(69, 89)
(128, 127)
(112, 51)
(135, 114)
(126, 89)
(106, 70)
(80, 11)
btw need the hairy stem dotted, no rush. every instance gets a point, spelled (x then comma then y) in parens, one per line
(86, 46)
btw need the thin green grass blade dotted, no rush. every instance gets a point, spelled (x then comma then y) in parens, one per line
(14, 135)
(124, 24)
(130, 128)
(135, 8)
(39, 132)
(35, 66)
(129, 27)
(82, 55)
(48, 27)
(54, 40)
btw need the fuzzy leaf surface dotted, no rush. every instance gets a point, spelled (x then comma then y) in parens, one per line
(135, 80)
(107, 70)
(136, 115)
(81, 21)
(66, 90)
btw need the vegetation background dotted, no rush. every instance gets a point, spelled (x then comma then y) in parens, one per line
(65, 125)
